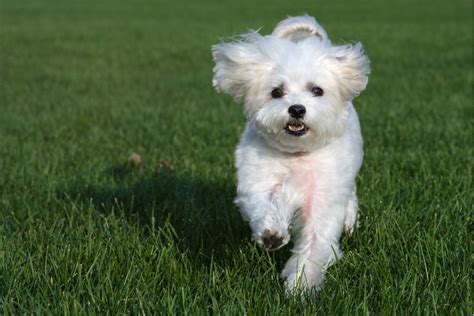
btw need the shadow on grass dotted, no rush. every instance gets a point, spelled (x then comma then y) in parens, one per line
(207, 223)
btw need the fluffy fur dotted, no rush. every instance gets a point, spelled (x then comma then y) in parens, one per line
(285, 180)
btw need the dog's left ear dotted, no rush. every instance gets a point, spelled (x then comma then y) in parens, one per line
(299, 28)
(353, 68)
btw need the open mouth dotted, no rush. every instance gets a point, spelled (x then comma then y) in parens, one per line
(296, 128)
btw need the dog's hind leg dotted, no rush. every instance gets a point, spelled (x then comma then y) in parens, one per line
(351, 220)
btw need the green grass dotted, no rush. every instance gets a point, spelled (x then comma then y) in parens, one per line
(84, 84)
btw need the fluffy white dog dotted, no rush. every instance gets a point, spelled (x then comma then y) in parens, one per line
(302, 148)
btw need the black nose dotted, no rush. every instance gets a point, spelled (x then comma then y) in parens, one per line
(297, 110)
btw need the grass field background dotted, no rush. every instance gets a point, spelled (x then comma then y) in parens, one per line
(83, 84)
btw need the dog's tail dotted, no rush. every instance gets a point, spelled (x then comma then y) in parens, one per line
(298, 28)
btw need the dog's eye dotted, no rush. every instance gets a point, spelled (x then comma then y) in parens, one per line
(317, 91)
(277, 93)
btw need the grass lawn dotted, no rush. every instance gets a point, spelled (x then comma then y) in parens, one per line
(83, 84)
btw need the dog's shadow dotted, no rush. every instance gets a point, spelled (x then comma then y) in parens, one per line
(207, 225)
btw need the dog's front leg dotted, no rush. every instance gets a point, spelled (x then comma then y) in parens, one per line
(262, 195)
(268, 213)
(317, 245)
(266, 203)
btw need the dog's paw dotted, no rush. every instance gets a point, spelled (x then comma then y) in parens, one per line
(352, 218)
(270, 233)
(294, 282)
(272, 239)
(351, 223)
(298, 282)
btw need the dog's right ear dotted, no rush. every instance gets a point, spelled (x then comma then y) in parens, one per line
(298, 28)
(239, 64)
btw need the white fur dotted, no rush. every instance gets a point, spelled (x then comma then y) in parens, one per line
(307, 182)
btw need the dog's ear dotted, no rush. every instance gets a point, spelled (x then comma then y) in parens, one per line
(239, 64)
(353, 68)
(299, 28)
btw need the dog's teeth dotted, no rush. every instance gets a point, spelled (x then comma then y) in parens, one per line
(295, 128)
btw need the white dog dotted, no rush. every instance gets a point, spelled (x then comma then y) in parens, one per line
(302, 147)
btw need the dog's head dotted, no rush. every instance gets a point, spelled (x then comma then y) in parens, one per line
(294, 84)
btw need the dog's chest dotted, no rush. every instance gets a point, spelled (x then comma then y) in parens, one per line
(302, 177)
